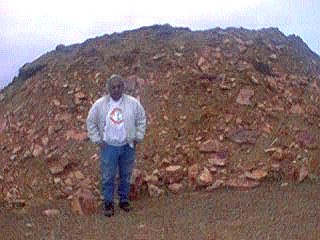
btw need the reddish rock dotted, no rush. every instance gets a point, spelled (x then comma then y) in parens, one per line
(303, 173)
(173, 174)
(245, 96)
(256, 174)
(217, 184)
(297, 109)
(277, 153)
(37, 150)
(204, 64)
(241, 183)
(16, 150)
(193, 172)
(153, 179)
(154, 191)
(79, 175)
(18, 203)
(76, 135)
(3, 125)
(242, 135)
(275, 167)
(57, 166)
(306, 140)
(205, 178)
(218, 159)
(136, 183)
(79, 97)
(45, 140)
(211, 145)
(83, 202)
(175, 187)
(51, 212)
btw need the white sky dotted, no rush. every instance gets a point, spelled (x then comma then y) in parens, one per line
(30, 28)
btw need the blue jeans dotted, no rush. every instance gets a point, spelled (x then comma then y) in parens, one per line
(112, 159)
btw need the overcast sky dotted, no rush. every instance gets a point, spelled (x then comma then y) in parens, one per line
(31, 28)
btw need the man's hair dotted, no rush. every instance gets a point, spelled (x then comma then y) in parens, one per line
(114, 76)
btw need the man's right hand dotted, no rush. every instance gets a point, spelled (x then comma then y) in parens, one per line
(101, 144)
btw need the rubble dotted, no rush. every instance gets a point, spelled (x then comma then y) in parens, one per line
(215, 101)
(83, 202)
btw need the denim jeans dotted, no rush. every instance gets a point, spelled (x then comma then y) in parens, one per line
(115, 158)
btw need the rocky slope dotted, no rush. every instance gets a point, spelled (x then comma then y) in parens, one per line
(226, 107)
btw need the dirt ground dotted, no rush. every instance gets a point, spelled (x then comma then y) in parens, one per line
(268, 212)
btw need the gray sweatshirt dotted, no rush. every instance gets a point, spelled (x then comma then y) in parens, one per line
(134, 119)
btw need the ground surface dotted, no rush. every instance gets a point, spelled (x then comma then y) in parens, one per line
(268, 212)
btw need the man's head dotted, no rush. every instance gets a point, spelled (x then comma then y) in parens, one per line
(115, 86)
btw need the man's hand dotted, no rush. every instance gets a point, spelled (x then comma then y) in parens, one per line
(101, 144)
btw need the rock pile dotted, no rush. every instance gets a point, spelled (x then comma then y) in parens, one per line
(226, 107)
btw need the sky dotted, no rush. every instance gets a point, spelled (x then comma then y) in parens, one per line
(31, 28)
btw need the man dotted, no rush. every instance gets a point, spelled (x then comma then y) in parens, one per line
(116, 122)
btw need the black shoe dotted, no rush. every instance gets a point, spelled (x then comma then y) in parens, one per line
(125, 206)
(108, 209)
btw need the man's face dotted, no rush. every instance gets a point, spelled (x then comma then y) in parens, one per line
(116, 88)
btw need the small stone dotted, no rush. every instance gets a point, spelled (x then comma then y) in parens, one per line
(68, 181)
(218, 159)
(16, 150)
(254, 80)
(211, 145)
(76, 135)
(173, 174)
(79, 97)
(45, 140)
(175, 187)
(83, 202)
(50, 130)
(67, 190)
(153, 179)
(193, 172)
(51, 212)
(57, 166)
(136, 182)
(205, 178)
(241, 183)
(273, 57)
(242, 135)
(256, 174)
(307, 140)
(278, 155)
(56, 180)
(3, 125)
(244, 96)
(218, 183)
(2, 97)
(56, 102)
(37, 150)
(276, 167)
(18, 203)
(29, 225)
(78, 174)
(154, 191)
(303, 173)
(296, 109)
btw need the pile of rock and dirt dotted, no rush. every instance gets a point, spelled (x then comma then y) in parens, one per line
(226, 108)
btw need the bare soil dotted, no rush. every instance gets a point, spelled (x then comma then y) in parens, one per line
(268, 212)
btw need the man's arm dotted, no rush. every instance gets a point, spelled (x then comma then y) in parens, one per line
(92, 125)
(140, 122)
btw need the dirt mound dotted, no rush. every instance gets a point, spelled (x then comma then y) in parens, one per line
(226, 107)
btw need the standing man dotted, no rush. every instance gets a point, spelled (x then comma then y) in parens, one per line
(116, 122)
